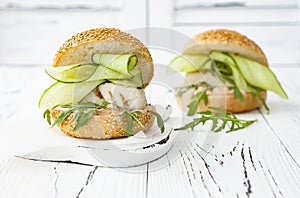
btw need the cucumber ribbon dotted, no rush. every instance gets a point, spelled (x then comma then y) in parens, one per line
(66, 93)
(105, 66)
(120, 63)
(245, 72)
(77, 81)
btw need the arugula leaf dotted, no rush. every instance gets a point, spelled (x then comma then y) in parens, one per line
(80, 117)
(198, 97)
(159, 120)
(238, 94)
(182, 90)
(219, 120)
(129, 126)
(131, 114)
(193, 106)
(82, 113)
(226, 75)
(83, 119)
(255, 93)
(47, 116)
(191, 125)
(62, 117)
(77, 115)
(129, 123)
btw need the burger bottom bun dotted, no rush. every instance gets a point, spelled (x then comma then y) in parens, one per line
(105, 123)
(221, 96)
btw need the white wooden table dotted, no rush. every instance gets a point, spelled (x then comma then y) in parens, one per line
(260, 161)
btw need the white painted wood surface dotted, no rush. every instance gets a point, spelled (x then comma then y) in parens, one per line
(33, 30)
(260, 161)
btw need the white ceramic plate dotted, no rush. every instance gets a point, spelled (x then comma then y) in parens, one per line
(126, 152)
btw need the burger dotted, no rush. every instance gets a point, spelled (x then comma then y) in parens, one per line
(230, 69)
(100, 75)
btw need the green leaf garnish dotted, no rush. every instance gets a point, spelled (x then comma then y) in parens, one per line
(47, 116)
(238, 94)
(220, 120)
(181, 90)
(129, 123)
(130, 117)
(256, 93)
(77, 115)
(240, 82)
(62, 117)
(82, 113)
(198, 97)
(159, 120)
(83, 119)
(225, 74)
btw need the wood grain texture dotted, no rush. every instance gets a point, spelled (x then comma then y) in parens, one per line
(260, 161)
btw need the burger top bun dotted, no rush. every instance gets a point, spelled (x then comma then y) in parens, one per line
(80, 47)
(225, 41)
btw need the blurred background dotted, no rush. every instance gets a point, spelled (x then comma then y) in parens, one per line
(31, 31)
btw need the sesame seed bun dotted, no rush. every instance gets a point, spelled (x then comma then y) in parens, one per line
(80, 47)
(105, 124)
(226, 41)
(221, 97)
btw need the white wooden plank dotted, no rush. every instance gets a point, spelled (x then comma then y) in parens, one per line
(166, 177)
(41, 179)
(134, 14)
(17, 83)
(26, 176)
(204, 3)
(32, 4)
(250, 162)
(260, 161)
(125, 182)
(160, 13)
(34, 37)
(71, 180)
(235, 15)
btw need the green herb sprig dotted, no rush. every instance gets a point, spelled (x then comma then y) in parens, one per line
(159, 120)
(181, 90)
(84, 112)
(224, 74)
(196, 98)
(130, 117)
(218, 116)
(220, 120)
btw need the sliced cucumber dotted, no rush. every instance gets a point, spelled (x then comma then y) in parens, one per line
(136, 81)
(85, 72)
(253, 72)
(103, 73)
(120, 63)
(66, 93)
(258, 75)
(71, 74)
(190, 63)
(239, 79)
(222, 57)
